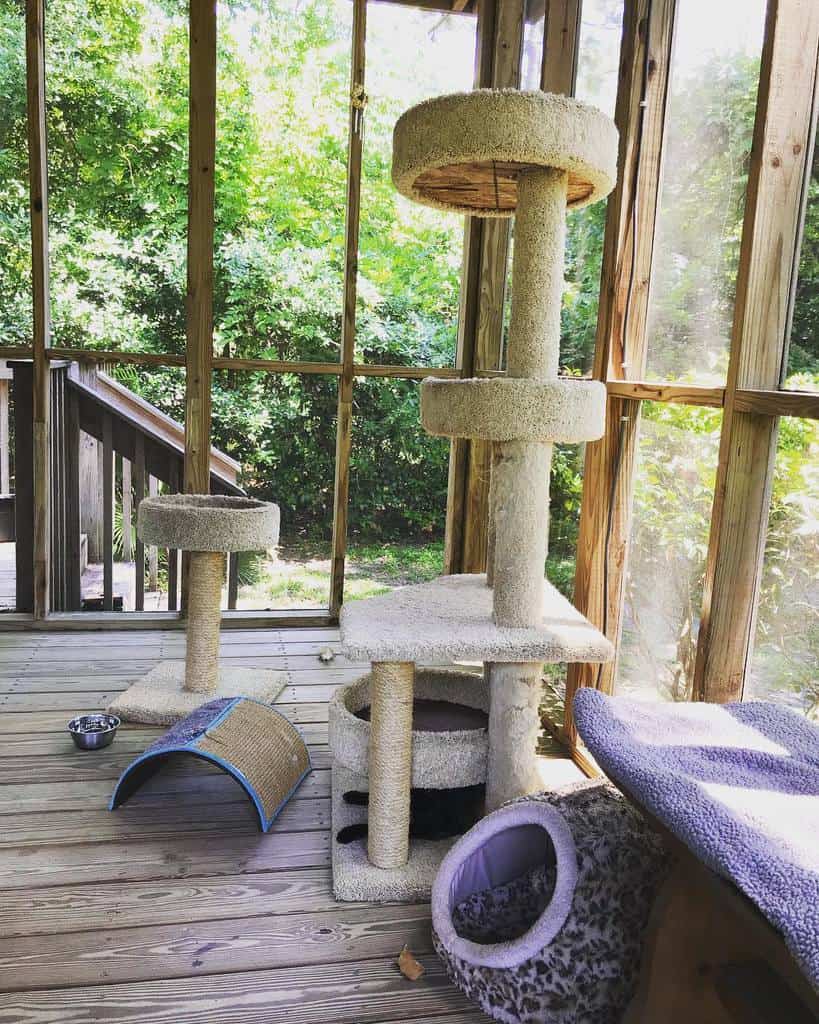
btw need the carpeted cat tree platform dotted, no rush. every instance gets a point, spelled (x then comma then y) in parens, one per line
(207, 526)
(486, 153)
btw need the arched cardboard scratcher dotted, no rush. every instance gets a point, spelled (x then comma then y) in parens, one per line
(245, 738)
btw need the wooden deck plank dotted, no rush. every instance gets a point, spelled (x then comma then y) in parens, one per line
(213, 787)
(134, 904)
(210, 947)
(355, 992)
(175, 907)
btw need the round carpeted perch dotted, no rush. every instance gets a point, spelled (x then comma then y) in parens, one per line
(207, 526)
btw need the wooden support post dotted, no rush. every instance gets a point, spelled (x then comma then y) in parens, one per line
(483, 284)
(139, 494)
(153, 551)
(38, 188)
(233, 579)
(107, 515)
(561, 36)
(344, 423)
(127, 512)
(24, 487)
(648, 27)
(71, 537)
(782, 133)
(5, 475)
(201, 157)
(173, 553)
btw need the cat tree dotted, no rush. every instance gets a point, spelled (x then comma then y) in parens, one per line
(488, 153)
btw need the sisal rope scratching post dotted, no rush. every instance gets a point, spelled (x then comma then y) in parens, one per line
(390, 772)
(207, 526)
(206, 571)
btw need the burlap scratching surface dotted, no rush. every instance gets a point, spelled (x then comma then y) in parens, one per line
(249, 740)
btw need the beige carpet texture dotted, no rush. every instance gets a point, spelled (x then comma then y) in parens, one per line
(465, 151)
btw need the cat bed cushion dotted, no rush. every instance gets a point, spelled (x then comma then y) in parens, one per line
(737, 783)
(249, 740)
(539, 911)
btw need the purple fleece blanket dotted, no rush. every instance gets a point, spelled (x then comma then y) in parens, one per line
(737, 783)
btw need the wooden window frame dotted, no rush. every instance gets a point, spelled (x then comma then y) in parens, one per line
(752, 398)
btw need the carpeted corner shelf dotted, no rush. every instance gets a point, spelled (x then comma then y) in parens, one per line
(487, 153)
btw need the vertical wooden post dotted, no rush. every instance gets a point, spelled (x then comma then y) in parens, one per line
(782, 132)
(24, 487)
(484, 283)
(173, 553)
(233, 579)
(341, 489)
(127, 511)
(153, 551)
(71, 538)
(107, 514)
(459, 451)
(201, 157)
(648, 27)
(5, 475)
(561, 36)
(139, 494)
(38, 174)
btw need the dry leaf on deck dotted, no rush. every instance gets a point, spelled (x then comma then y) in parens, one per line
(409, 966)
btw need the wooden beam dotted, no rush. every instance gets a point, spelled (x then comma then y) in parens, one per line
(139, 547)
(127, 511)
(483, 288)
(107, 515)
(71, 538)
(5, 462)
(681, 394)
(24, 488)
(777, 402)
(38, 189)
(344, 422)
(201, 157)
(782, 132)
(648, 27)
(561, 36)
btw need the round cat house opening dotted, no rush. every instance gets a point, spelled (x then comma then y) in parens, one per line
(505, 889)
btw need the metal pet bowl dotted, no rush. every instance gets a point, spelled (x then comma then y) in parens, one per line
(93, 732)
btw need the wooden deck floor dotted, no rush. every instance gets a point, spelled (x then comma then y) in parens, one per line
(175, 910)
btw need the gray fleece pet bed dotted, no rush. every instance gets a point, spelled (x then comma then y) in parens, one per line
(737, 783)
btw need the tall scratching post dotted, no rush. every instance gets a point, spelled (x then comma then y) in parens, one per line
(495, 154)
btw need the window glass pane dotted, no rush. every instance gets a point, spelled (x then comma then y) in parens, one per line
(398, 488)
(281, 431)
(117, 111)
(409, 255)
(597, 66)
(712, 99)
(786, 650)
(674, 491)
(281, 164)
(802, 372)
(532, 53)
(15, 238)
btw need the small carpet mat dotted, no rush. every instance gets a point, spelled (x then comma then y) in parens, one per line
(251, 741)
(159, 697)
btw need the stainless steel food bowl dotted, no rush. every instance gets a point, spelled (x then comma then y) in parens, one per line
(93, 732)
